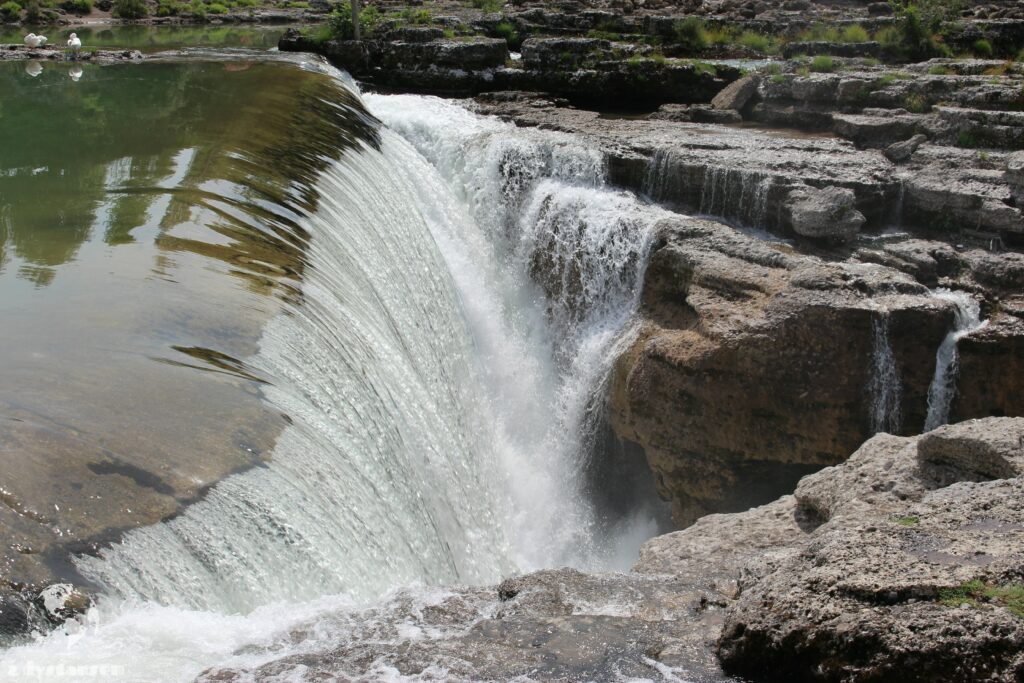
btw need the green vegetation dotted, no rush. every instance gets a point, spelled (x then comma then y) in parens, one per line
(822, 64)
(10, 11)
(340, 21)
(216, 8)
(603, 35)
(966, 139)
(129, 9)
(819, 32)
(658, 58)
(758, 42)
(690, 34)
(77, 6)
(417, 17)
(508, 31)
(919, 23)
(854, 33)
(973, 592)
(982, 48)
(33, 13)
(916, 103)
(908, 521)
(939, 70)
(489, 6)
(889, 37)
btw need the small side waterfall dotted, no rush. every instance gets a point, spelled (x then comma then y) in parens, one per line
(885, 387)
(943, 386)
(732, 194)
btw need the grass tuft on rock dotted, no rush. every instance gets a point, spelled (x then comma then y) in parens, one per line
(822, 64)
(972, 593)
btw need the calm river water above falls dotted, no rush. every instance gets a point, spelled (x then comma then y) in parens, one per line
(395, 336)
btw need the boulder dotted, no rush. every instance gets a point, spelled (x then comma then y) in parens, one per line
(62, 601)
(899, 152)
(826, 213)
(737, 94)
(907, 577)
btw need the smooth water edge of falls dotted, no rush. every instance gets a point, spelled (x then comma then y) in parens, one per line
(469, 287)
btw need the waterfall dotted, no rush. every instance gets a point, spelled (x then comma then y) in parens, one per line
(732, 194)
(468, 287)
(885, 386)
(943, 387)
(564, 257)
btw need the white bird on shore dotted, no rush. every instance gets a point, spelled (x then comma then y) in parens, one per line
(32, 41)
(74, 44)
(42, 40)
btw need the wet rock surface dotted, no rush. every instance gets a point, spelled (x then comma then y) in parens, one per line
(882, 568)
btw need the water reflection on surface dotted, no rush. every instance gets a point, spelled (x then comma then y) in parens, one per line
(153, 38)
(150, 222)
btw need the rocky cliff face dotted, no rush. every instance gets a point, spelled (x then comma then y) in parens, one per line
(760, 360)
(755, 365)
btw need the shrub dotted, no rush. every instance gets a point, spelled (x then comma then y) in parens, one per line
(889, 37)
(507, 31)
(416, 16)
(77, 6)
(939, 70)
(129, 9)
(489, 6)
(982, 48)
(855, 33)
(690, 35)
(216, 8)
(340, 21)
(755, 41)
(10, 11)
(916, 104)
(919, 22)
(822, 64)
(197, 9)
(965, 139)
(820, 32)
(658, 58)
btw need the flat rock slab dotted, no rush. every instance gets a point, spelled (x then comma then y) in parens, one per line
(11, 53)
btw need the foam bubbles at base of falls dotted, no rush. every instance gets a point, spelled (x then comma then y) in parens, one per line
(967, 319)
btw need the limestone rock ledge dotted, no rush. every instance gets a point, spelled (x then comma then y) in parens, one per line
(754, 364)
(902, 564)
(916, 572)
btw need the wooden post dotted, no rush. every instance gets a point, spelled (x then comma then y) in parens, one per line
(356, 31)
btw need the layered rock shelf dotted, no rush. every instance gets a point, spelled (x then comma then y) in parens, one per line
(904, 563)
